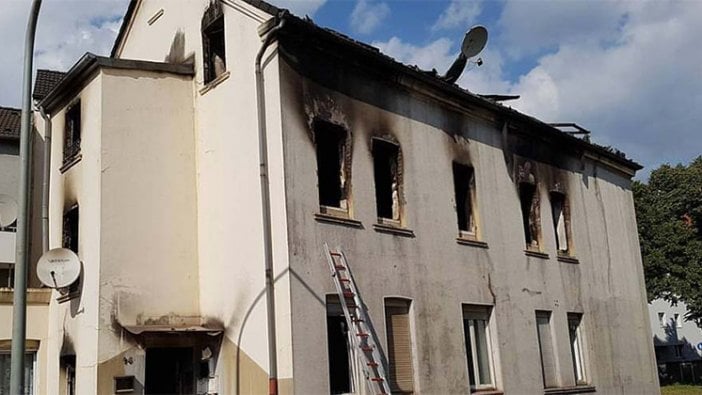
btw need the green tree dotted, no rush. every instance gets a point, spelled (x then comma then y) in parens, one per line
(669, 216)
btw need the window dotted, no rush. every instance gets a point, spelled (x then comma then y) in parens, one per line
(678, 348)
(340, 349)
(386, 166)
(561, 220)
(548, 357)
(28, 373)
(576, 347)
(71, 139)
(661, 319)
(678, 320)
(530, 214)
(213, 52)
(333, 166)
(68, 373)
(478, 346)
(70, 237)
(464, 188)
(397, 322)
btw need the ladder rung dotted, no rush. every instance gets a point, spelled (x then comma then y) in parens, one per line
(362, 334)
(354, 319)
(335, 253)
(377, 379)
(366, 348)
(345, 280)
(340, 267)
(372, 364)
(349, 294)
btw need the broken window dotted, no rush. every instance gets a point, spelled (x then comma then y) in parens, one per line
(464, 187)
(71, 139)
(68, 373)
(386, 166)
(478, 346)
(213, 52)
(332, 167)
(397, 322)
(340, 349)
(576, 347)
(546, 350)
(561, 218)
(70, 237)
(530, 214)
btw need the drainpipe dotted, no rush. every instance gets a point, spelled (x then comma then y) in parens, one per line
(19, 299)
(46, 173)
(266, 210)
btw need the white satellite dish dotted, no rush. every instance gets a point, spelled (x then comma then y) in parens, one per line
(8, 210)
(58, 268)
(473, 43)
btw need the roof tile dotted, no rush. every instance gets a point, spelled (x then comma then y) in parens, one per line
(10, 123)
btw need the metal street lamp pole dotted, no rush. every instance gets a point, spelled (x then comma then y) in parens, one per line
(19, 306)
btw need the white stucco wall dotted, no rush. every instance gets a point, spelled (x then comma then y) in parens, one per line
(669, 334)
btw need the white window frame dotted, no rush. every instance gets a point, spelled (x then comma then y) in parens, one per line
(678, 320)
(662, 319)
(577, 348)
(472, 313)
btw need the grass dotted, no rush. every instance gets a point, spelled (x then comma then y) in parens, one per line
(679, 389)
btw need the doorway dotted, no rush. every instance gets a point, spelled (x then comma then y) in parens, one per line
(170, 371)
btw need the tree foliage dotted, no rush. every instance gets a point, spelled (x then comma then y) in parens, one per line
(669, 216)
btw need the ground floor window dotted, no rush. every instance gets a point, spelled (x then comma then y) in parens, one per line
(340, 348)
(478, 346)
(5, 373)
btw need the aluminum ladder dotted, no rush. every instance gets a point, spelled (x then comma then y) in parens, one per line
(358, 322)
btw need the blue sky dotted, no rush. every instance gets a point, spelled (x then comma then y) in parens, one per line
(630, 71)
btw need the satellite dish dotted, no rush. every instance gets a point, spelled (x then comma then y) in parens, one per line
(473, 43)
(58, 268)
(8, 211)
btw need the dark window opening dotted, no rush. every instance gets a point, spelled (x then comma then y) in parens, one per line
(559, 209)
(170, 371)
(339, 344)
(387, 179)
(213, 52)
(464, 184)
(71, 140)
(331, 164)
(68, 370)
(70, 237)
(530, 214)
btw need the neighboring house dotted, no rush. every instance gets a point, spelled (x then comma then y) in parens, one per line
(494, 253)
(677, 342)
(37, 297)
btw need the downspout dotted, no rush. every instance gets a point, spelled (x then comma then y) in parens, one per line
(19, 298)
(266, 210)
(45, 182)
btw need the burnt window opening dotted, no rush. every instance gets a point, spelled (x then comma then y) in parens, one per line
(561, 219)
(339, 348)
(71, 140)
(530, 214)
(464, 188)
(386, 166)
(68, 373)
(70, 237)
(332, 172)
(213, 51)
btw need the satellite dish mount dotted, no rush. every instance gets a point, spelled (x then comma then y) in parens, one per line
(473, 43)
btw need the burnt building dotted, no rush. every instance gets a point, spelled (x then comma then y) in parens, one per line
(492, 252)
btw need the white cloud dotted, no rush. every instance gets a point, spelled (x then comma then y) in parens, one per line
(459, 13)
(301, 7)
(65, 30)
(367, 15)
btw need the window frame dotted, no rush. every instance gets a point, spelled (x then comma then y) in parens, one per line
(577, 348)
(211, 18)
(397, 194)
(390, 303)
(72, 134)
(333, 308)
(473, 229)
(562, 198)
(344, 174)
(553, 382)
(473, 313)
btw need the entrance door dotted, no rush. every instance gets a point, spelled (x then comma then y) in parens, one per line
(170, 371)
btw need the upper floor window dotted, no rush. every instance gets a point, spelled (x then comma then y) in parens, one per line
(72, 132)
(333, 167)
(464, 188)
(561, 221)
(70, 229)
(213, 52)
(529, 202)
(388, 180)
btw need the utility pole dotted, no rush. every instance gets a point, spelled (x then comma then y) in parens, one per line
(19, 302)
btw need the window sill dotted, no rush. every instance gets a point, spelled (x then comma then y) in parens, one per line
(395, 230)
(578, 389)
(487, 392)
(536, 254)
(471, 242)
(332, 219)
(568, 259)
(212, 84)
(69, 162)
